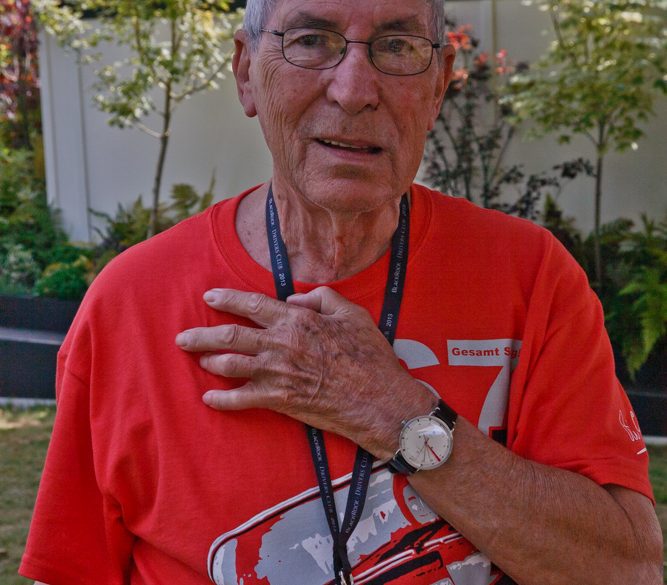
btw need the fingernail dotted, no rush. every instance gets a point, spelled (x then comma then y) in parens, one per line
(183, 339)
(208, 398)
(210, 296)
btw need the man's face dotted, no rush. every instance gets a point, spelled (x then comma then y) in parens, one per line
(348, 138)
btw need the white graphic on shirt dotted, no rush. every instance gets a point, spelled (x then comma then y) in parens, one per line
(632, 429)
(474, 570)
(633, 432)
(416, 355)
(319, 547)
(401, 539)
(503, 353)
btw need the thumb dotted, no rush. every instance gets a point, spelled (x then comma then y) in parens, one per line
(323, 300)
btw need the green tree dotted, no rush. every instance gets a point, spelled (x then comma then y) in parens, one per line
(599, 79)
(177, 48)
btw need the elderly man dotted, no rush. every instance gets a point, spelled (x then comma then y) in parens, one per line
(492, 445)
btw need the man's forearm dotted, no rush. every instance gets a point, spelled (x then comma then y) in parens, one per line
(539, 524)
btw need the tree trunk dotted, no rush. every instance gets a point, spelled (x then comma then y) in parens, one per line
(164, 144)
(164, 137)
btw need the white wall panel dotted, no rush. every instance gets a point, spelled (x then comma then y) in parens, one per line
(64, 144)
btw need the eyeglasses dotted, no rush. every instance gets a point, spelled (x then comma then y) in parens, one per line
(318, 48)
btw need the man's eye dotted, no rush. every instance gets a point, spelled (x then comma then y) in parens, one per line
(393, 46)
(311, 40)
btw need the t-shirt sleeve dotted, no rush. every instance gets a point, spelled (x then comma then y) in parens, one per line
(76, 534)
(568, 409)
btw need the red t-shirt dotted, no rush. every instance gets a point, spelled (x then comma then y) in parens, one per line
(144, 484)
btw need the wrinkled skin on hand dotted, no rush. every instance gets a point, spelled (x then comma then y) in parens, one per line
(317, 358)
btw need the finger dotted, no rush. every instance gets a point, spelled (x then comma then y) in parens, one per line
(232, 337)
(324, 300)
(247, 396)
(305, 301)
(230, 365)
(257, 307)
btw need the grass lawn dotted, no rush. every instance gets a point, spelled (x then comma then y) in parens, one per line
(24, 436)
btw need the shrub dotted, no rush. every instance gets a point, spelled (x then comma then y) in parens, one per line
(67, 281)
(634, 292)
(19, 269)
(131, 225)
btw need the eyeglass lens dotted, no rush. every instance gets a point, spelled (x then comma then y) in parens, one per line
(314, 48)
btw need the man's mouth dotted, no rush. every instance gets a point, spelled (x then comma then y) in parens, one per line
(349, 146)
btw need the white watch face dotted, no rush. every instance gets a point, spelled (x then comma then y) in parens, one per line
(426, 442)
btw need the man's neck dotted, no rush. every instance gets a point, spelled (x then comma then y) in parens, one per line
(323, 245)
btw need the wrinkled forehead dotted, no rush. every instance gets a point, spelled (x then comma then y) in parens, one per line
(377, 16)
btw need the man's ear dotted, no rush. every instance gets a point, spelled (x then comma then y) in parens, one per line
(445, 70)
(241, 69)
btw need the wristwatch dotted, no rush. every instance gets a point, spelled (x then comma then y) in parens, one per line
(425, 441)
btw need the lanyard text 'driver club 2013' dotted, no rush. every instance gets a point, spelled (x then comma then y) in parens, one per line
(282, 277)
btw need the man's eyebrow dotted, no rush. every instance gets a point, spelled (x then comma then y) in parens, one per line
(307, 20)
(408, 24)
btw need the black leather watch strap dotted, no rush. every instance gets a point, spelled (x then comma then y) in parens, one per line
(398, 464)
(445, 414)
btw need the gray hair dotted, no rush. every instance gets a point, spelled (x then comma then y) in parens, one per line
(258, 12)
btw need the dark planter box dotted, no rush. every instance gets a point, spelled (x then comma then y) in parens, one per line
(31, 331)
(648, 391)
(38, 313)
(27, 370)
(651, 411)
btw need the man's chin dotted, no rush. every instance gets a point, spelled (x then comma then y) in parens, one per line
(351, 194)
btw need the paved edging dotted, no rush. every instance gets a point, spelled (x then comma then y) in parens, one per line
(31, 336)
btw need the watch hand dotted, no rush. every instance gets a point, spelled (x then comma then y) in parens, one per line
(432, 451)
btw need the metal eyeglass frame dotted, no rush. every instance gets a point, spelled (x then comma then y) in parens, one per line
(281, 34)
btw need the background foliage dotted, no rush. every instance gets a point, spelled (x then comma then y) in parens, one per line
(599, 79)
(36, 256)
(634, 292)
(466, 150)
(19, 75)
(492, 101)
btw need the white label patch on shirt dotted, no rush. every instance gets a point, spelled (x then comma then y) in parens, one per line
(483, 352)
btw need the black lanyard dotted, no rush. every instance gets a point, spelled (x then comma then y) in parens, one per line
(363, 462)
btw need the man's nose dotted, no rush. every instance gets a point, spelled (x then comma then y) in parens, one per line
(354, 82)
